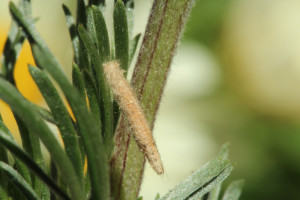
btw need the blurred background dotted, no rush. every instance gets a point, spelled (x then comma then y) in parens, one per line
(235, 78)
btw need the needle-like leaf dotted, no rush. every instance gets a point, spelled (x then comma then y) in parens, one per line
(234, 190)
(11, 51)
(36, 125)
(61, 116)
(77, 80)
(202, 181)
(3, 177)
(215, 193)
(7, 141)
(16, 178)
(45, 114)
(133, 46)
(73, 32)
(91, 91)
(102, 34)
(106, 101)
(99, 3)
(22, 169)
(31, 144)
(121, 35)
(90, 26)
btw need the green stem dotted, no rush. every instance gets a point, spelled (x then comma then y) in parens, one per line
(165, 26)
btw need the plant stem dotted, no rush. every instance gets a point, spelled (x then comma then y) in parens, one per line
(165, 25)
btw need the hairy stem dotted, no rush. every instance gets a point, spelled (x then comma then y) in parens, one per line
(165, 25)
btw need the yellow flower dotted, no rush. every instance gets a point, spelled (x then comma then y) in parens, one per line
(24, 82)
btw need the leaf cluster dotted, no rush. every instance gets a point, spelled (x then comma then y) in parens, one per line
(205, 183)
(87, 133)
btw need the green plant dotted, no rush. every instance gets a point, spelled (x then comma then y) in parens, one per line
(114, 161)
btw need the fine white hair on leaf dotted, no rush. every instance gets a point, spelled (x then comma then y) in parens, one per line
(129, 104)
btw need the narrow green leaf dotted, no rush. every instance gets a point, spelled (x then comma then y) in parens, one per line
(234, 190)
(61, 116)
(102, 34)
(95, 57)
(215, 183)
(73, 32)
(11, 51)
(3, 177)
(19, 181)
(121, 35)
(37, 126)
(87, 185)
(201, 181)
(45, 114)
(95, 109)
(157, 197)
(116, 114)
(106, 101)
(31, 144)
(21, 168)
(28, 27)
(81, 12)
(3, 151)
(215, 193)
(224, 152)
(128, 3)
(84, 60)
(26, 7)
(6, 139)
(91, 91)
(54, 177)
(122, 51)
(14, 192)
(3, 186)
(165, 26)
(3, 190)
(99, 3)
(77, 80)
(14, 44)
(90, 26)
(133, 45)
(80, 142)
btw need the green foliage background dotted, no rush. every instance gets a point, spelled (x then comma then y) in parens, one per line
(266, 149)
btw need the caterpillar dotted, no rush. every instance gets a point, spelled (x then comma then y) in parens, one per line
(129, 104)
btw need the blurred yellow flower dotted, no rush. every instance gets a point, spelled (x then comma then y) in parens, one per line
(24, 82)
